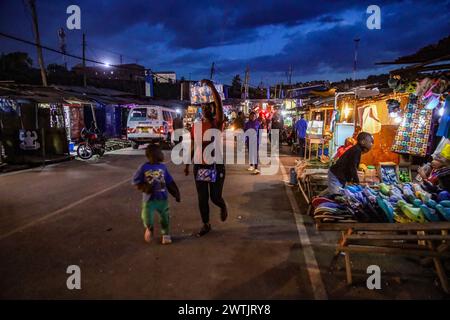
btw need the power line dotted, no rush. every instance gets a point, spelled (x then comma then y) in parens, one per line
(113, 52)
(74, 56)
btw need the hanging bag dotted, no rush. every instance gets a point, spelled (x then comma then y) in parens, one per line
(207, 174)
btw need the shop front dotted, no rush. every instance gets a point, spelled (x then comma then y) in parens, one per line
(33, 131)
(401, 204)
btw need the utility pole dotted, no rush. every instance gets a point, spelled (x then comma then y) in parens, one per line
(32, 4)
(182, 87)
(355, 60)
(84, 60)
(246, 82)
(121, 61)
(289, 75)
(62, 45)
(212, 71)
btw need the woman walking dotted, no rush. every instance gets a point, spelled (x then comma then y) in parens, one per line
(209, 178)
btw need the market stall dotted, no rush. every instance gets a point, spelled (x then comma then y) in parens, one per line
(393, 210)
(318, 132)
(33, 130)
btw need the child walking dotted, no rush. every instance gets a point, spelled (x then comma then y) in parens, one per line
(155, 181)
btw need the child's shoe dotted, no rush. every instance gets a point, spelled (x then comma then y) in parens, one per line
(148, 235)
(165, 239)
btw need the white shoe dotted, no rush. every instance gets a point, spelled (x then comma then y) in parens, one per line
(251, 168)
(256, 171)
(166, 239)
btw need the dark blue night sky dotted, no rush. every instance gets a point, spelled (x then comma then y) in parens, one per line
(315, 37)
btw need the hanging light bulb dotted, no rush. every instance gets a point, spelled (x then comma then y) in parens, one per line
(347, 110)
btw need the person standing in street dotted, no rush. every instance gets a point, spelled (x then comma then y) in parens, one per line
(239, 122)
(178, 124)
(253, 123)
(209, 178)
(277, 123)
(300, 128)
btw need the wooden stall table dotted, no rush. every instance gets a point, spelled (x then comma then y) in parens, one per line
(313, 141)
(417, 239)
(310, 142)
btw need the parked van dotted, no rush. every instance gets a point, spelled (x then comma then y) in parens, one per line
(150, 124)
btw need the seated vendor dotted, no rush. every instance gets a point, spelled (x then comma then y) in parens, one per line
(435, 174)
(345, 170)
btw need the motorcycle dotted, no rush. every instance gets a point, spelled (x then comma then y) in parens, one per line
(93, 143)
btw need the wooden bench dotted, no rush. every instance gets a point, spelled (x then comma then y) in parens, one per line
(413, 239)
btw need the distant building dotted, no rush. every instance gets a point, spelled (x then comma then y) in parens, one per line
(165, 76)
(130, 71)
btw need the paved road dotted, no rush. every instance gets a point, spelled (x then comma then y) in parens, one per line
(87, 214)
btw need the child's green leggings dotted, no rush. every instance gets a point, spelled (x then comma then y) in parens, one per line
(148, 212)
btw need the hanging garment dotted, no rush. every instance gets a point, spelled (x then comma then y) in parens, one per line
(414, 132)
(371, 124)
(432, 101)
(444, 124)
(433, 128)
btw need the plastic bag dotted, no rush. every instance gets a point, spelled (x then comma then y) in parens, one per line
(443, 149)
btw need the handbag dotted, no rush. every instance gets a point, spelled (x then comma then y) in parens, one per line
(207, 174)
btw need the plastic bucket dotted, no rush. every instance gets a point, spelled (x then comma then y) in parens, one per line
(293, 176)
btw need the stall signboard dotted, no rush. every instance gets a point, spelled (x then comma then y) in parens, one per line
(203, 94)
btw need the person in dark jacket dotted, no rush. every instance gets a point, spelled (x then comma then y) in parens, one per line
(254, 124)
(345, 170)
(239, 122)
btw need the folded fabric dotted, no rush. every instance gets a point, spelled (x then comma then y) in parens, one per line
(331, 205)
(318, 200)
(443, 195)
(443, 211)
(430, 214)
(412, 213)
(387, 209)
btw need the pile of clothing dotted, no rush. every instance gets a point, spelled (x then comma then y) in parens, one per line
(395, 203)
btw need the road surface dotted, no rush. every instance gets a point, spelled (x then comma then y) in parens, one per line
(86, 213)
